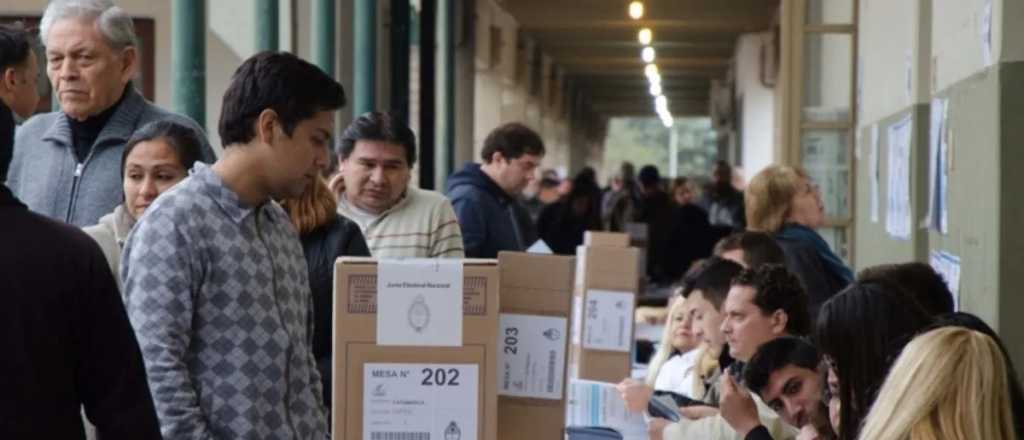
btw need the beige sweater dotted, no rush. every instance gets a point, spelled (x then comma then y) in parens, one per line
(421, 225)
(110, 233)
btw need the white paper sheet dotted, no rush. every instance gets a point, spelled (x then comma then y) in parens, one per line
(908, 72)
(531, 356)
(539, 247)
(937, 217)
(608, 320)
(420, 401)
(600, 404)
(985, 33)
(419, 302)
(873, 170)
(898, 212)
(948, 265)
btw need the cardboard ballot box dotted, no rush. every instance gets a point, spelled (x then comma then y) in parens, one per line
(414, 349)
(533, 334)
(609, 239)
(604, 298)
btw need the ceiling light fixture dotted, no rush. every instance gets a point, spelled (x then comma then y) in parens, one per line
(656, 89)
(636, 10)
(647, 54)
(651, 70)
(645, 36)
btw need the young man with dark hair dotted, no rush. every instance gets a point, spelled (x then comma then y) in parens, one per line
(376, 155)
(919, 280)
(751, 249)
(485, 196)
(784, 372)
(215, 281)
(763, 304)
(19, 69)
(66, 340)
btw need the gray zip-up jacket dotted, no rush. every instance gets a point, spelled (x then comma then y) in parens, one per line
(46, 175)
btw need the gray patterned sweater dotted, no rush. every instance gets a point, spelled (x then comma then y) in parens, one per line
(217, 292)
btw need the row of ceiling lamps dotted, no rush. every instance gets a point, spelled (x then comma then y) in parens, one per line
(647, 55)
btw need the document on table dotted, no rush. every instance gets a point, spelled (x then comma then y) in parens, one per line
(593, 403)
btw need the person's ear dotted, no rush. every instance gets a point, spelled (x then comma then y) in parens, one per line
(8, 79)
(779, 320)
(266, 123)
(497, 157)
(129, 61)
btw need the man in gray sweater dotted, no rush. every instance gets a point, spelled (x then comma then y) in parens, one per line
(67, 163)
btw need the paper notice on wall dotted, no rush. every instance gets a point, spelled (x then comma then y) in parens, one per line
(985, 33)
(948, 265)
(608, 320)
(898, 211)
(592, 403)
(420, 401)
(419, 302)
(908, 74)
(938, 169)
(873, 172)
(531, 356)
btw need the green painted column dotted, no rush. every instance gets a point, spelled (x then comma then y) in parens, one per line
(364, 24)
(188, 59)
(266, 25)
(324, 35)
(446, 89)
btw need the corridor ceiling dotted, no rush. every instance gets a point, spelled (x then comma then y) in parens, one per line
(595, 42)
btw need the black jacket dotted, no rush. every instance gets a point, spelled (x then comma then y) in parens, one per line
(692, 238)
(65, 336)
(803, 261)
(490, 219)
(6, 139)
(322, 248)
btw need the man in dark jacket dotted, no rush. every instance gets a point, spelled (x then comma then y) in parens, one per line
(64, 333)
(485, 196)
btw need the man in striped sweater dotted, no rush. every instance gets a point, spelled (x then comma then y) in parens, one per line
(376, 155)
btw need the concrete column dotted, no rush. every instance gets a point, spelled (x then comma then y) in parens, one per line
(188, 59)
(267, 25)
(446, 90)
(323, 35)
(365, 41)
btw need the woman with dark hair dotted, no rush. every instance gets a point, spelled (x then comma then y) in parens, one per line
(561, 225)
(860, 332)
(325, 236)
(156, 157)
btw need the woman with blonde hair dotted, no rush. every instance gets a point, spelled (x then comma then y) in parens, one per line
(325, 236)
(671, 369)
(948, 384)
(783, 201)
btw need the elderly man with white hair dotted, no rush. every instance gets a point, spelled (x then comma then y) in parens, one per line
(67, 163)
